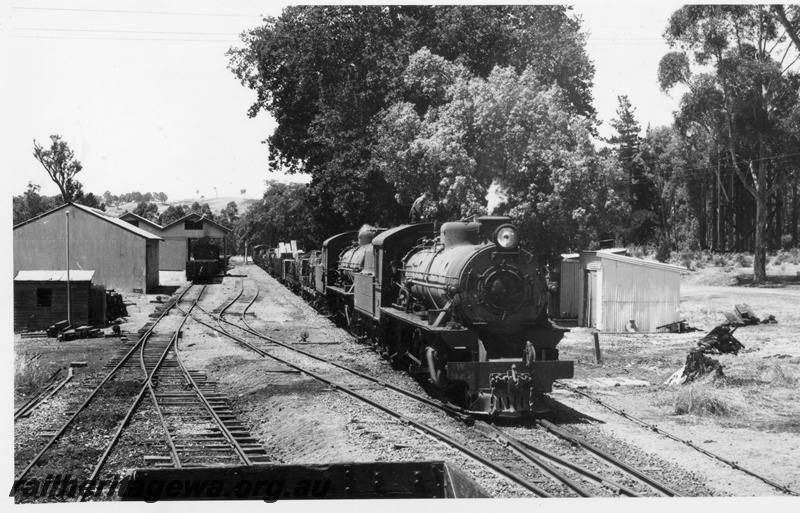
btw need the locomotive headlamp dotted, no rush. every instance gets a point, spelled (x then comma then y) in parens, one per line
(506, 236)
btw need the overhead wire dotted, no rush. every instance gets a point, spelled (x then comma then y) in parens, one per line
(115, 11)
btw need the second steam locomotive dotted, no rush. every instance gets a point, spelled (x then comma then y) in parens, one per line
(466, 306)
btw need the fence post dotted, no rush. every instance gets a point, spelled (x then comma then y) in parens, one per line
(597, 358)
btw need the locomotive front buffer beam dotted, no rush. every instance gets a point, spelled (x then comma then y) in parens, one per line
(509, 387)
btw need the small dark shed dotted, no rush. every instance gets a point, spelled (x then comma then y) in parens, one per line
(40, 298)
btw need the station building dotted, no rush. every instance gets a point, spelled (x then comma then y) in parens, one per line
(123, 257)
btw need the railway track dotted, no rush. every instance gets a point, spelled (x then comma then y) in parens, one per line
(80, 440)
(570, 478)
(783, 488)
(198, 426)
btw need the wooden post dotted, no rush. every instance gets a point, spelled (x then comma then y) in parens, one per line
(597, 358)
(69, 292)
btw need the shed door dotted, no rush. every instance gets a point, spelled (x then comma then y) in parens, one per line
(590, 298)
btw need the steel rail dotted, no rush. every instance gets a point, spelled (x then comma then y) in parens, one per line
(429, 430)
(237, 448)
(575, 439)
(42, 397)
(676, 438)
(458, 413)
(523, 450)
(147, 383)
(94, 392)
(516, 444)
(578, 469)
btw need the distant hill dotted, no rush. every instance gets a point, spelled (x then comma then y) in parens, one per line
(215, 204)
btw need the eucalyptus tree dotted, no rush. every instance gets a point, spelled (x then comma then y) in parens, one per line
(747, 82)
(61, 166)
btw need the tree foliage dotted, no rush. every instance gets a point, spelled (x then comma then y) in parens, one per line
(746, 97)
(172, 214)
(325, 74)
(508, 130)
(31, 204)
(61, 166)
(147, 210)
(282, 215)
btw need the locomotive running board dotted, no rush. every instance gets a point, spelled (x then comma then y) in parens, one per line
(270, 483)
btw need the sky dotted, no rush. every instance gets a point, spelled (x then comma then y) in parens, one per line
(141, 92)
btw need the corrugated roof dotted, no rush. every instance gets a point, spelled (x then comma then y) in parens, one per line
(119, 222)
(74, 275)
(98, 213)
(140, 218)
(198, 217)
(636, 261)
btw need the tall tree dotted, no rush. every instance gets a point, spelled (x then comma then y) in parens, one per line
(752, 85)
(325, 73)
(508, 131)
(60, 164)
(641, 196)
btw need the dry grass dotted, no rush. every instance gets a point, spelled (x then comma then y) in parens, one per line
(778, 376)
(29, 375)
(764, 396)
(703, 399)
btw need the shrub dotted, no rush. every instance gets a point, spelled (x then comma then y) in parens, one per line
(792, 256)
(742, 260)
(636, 251)
(720, 260)
(704, 399)
(28, 374)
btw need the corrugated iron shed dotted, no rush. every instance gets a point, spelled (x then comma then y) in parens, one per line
(124, 257)
(606, 289)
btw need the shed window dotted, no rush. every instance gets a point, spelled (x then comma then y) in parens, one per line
(193, 225)
(44, 297)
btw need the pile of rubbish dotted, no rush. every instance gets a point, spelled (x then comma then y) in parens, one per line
(115, 306)
(743, 315)
(64, 332)
(720, 340)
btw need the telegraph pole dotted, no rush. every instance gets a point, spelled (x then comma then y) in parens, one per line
(69, 292)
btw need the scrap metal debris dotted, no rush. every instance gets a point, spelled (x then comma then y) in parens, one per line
(676, 327)
(720, 340)
(742, 315)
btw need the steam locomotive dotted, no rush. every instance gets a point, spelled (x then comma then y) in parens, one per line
(466, 307)
(204, 261)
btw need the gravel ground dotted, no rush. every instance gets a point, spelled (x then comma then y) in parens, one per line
(304, 421)
(300, 420)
